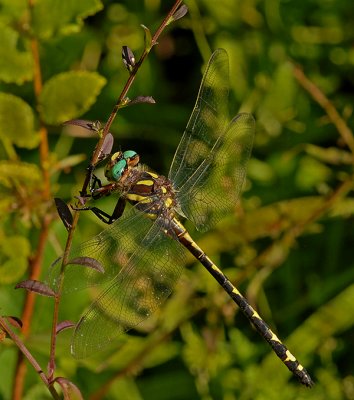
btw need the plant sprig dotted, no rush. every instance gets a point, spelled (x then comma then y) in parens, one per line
(103, 146)
(172, 15)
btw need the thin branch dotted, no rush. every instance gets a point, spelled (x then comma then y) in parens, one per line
(126, 88)
(36, 262)
(29, 356)
(58, 295)
(94, 161)
(316, 93)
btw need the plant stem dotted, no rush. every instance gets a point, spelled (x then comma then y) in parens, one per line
(325, 103)
(36, 261)
(126, 88)
(94, 161)
(58, 296)
(29, 356)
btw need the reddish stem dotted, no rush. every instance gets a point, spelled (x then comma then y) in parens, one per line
(94, 160)
(126, 88)
(36, 262)
(29, 357)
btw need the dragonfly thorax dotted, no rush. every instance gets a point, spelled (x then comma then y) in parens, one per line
(152, 193)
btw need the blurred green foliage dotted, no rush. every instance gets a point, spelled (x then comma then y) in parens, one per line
(290, 249)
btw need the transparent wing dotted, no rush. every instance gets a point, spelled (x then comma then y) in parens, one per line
(145, 281)
(209, 166)
(207, 121)
(215, 186)
(111, 249)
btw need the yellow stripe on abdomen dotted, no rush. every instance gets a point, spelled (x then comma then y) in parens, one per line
(138, 198)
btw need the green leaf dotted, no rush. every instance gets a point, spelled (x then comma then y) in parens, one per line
(16, 65)
(147, 38)
(36, 391)
(17, 121)
(68, 95)
(12, 10)
(19, 172)
(311, 173)
(125, 388)
(195, 352)
(14, 252)
(53, 17)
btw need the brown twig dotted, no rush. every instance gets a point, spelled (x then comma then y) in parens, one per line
(94, 161)
(325, 103)
(58, 296)
(36, 261)
(126, 88)
(29, 357)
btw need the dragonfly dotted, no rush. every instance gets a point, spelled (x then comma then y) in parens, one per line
(141, 253)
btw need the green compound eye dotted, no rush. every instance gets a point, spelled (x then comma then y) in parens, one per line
(118, 169)
(129, 154)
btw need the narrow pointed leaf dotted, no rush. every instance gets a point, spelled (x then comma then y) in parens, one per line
(106, 147)
(70, 391)
(83, 123)
(142, 99)
(88, 262)
(147, 38)
(138, 100)
(69, 162)
(180, 13)
(14, 321)
(64, 213)
(128, 58)
(64, 325)
(37, 287)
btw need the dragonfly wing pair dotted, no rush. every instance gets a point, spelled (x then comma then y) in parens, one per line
(136, 254)
(143, 266)
(209, 166)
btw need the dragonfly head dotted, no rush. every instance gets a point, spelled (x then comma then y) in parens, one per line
(118, 167)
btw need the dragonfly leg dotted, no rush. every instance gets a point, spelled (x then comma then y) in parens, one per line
(102, 215)
(95, 183)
